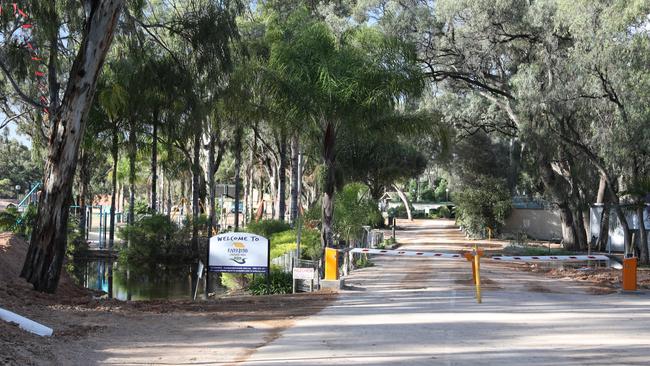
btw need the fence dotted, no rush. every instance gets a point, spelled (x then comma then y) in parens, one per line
(285, 261)
(289, 260)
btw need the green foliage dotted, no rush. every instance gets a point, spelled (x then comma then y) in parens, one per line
(266, 228)
(235, 281)
(428, 195)
(441, 190)
(9, 219)
(19, 223)
(17, 167)
(280, 283)
(154, 239)
(363, 262)
(354, 209)
(285, 241)
(141, 207)
(399, 211)
(378, 161)
(485, 204)
(444, 212)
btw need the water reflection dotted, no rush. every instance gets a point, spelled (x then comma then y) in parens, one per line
(141, 283)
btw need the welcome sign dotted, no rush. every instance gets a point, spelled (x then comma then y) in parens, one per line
(238, 253)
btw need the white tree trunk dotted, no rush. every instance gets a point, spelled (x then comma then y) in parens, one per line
(46, 251)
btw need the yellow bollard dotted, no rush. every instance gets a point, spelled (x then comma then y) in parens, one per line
(477, 273)
(331, 264)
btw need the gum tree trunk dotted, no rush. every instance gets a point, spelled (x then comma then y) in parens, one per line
(282, 173)
(643, 236)
(114, 153)
(132, 153)
(238, 137)
(196, 171)
(603, 236)
(42, 267)
(329, 186)
(154, 163)
(402, 196)
(295, 177)
(212, 189)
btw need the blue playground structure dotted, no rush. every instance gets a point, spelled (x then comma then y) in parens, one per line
(97, 234)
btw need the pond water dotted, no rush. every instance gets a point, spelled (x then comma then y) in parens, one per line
(143, 283)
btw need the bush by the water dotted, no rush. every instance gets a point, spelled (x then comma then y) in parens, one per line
(280, 283)
(266, 228)
(154, 239)
(19, 223)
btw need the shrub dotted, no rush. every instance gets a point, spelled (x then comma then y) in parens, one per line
(353, 209)
(280, 283)
(285, 241)
(202, 222)
(9, 219)
(363, 262)
(441, 190)
(266, 228)
(19, 223)
(154, 239)
(485, 205)
(399, 212)
(428, 195)
(444, 212)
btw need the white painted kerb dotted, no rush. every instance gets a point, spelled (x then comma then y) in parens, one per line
(25, 324)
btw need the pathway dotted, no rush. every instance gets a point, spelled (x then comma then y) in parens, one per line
(413, 311)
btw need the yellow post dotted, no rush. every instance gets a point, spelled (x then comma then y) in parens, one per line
(477, 273)
(331, 264)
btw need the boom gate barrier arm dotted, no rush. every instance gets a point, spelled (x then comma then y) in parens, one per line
(474, 256)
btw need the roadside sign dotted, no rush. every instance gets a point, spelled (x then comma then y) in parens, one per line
(303, 273)
(238, 253)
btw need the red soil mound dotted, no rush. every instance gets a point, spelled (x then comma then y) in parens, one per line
(15, 290)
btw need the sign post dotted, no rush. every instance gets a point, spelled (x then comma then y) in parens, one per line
(268, 267)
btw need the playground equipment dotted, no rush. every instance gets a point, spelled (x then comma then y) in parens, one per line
(31, 197)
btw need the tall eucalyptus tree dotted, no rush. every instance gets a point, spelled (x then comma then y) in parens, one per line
(93, 25)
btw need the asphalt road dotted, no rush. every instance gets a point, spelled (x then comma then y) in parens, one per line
(414, 311)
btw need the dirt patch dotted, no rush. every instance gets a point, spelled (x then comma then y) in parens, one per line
(536, 287)
(15, 290)
(417, 276)
(486, 283)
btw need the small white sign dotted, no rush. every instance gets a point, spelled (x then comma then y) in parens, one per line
(238, 253)
(303, 274)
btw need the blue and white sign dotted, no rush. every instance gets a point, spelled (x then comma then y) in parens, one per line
(239, 253)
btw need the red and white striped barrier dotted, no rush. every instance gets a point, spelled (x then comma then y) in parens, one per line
(409, 253)
(550, 258)
(505, 258)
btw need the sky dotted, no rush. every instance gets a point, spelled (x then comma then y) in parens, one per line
(23, 139)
